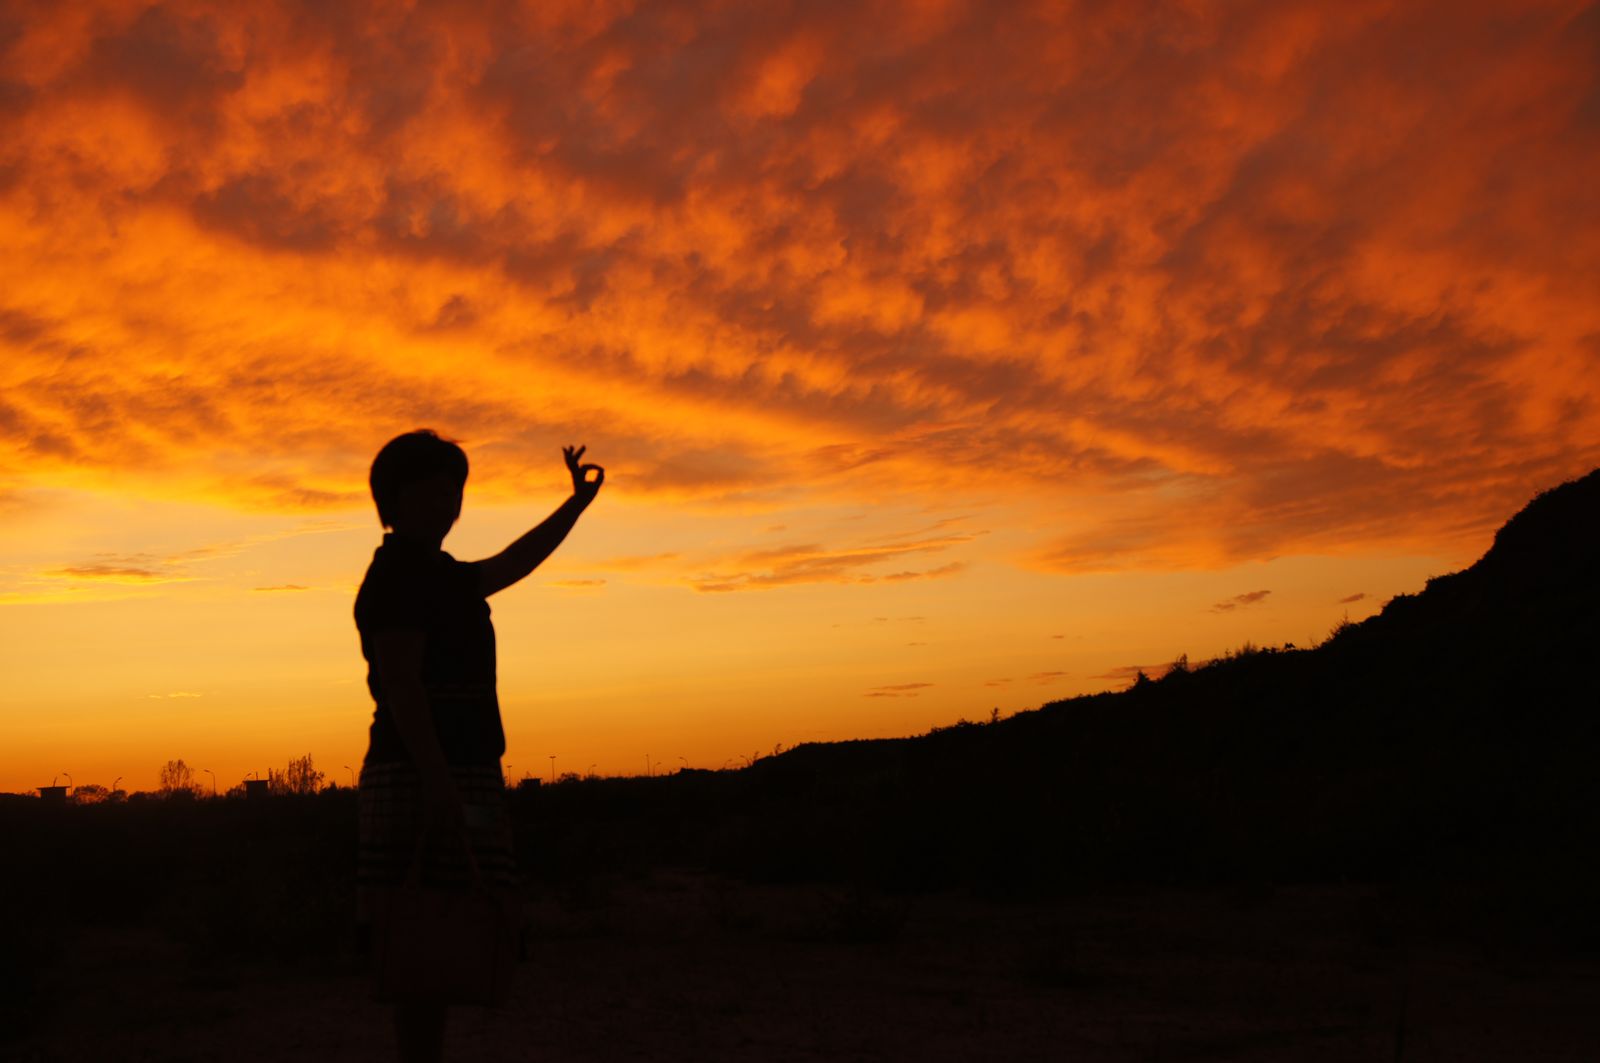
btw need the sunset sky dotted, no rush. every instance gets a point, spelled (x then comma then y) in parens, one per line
(941, 356)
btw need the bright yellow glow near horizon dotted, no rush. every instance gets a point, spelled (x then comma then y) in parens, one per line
(940, 361)
(226, 639)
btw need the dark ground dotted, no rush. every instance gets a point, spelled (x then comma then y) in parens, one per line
(681, 965)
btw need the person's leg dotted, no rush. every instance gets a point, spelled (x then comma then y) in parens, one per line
(419, 1030)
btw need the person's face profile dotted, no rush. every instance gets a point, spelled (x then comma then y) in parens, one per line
(428, 507)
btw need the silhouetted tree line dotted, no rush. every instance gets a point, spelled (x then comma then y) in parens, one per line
(176, 781)
(299, 777)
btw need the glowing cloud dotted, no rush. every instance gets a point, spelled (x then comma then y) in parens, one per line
(1312, 276)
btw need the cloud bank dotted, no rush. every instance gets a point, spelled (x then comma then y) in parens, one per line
(1193, 284)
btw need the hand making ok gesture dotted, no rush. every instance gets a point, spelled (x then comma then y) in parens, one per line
(583, 487)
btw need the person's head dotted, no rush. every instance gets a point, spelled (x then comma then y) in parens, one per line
(417, 480)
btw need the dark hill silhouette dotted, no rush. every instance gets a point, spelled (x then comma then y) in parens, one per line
(1453, 733)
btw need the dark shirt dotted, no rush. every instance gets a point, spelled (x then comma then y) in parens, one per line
(411, 587)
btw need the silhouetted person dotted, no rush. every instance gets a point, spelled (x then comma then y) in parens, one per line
(433, 757)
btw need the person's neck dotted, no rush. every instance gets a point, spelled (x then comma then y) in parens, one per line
(413, 538)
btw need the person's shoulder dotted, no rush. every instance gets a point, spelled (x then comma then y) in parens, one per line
(394, 591)
(465, 576)
(386, 566)
(387, 559)
(449, 563)
(392, 569)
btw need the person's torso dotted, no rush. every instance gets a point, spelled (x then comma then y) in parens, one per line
(430, 591)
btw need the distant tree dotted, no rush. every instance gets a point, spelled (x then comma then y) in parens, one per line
(177, 780)
(298, 777)
(91, 794)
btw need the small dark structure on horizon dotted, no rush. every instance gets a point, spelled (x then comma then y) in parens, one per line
(255, 789)
(53, 795)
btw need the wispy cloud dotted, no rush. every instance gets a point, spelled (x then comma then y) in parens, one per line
(149, 568)
(813, 563)
(897, 690)
(1351, 598)
(1239, 601)
(931, 573)
(130, 568)
(578, 584)
(633, 563)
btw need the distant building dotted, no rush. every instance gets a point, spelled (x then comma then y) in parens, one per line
(53, 795)
(255, 789)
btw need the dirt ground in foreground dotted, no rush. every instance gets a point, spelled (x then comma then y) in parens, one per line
(687, 966)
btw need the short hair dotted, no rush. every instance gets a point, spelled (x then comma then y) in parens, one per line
(411, 457)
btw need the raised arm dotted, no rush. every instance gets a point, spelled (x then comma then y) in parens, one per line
(523, 556)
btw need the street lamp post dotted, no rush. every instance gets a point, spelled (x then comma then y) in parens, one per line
(352, 772)
(552, 769)
(213, 775)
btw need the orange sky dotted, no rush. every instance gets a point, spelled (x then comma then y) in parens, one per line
(942, 356)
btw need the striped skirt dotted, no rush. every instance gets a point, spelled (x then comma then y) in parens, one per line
(390, 825)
